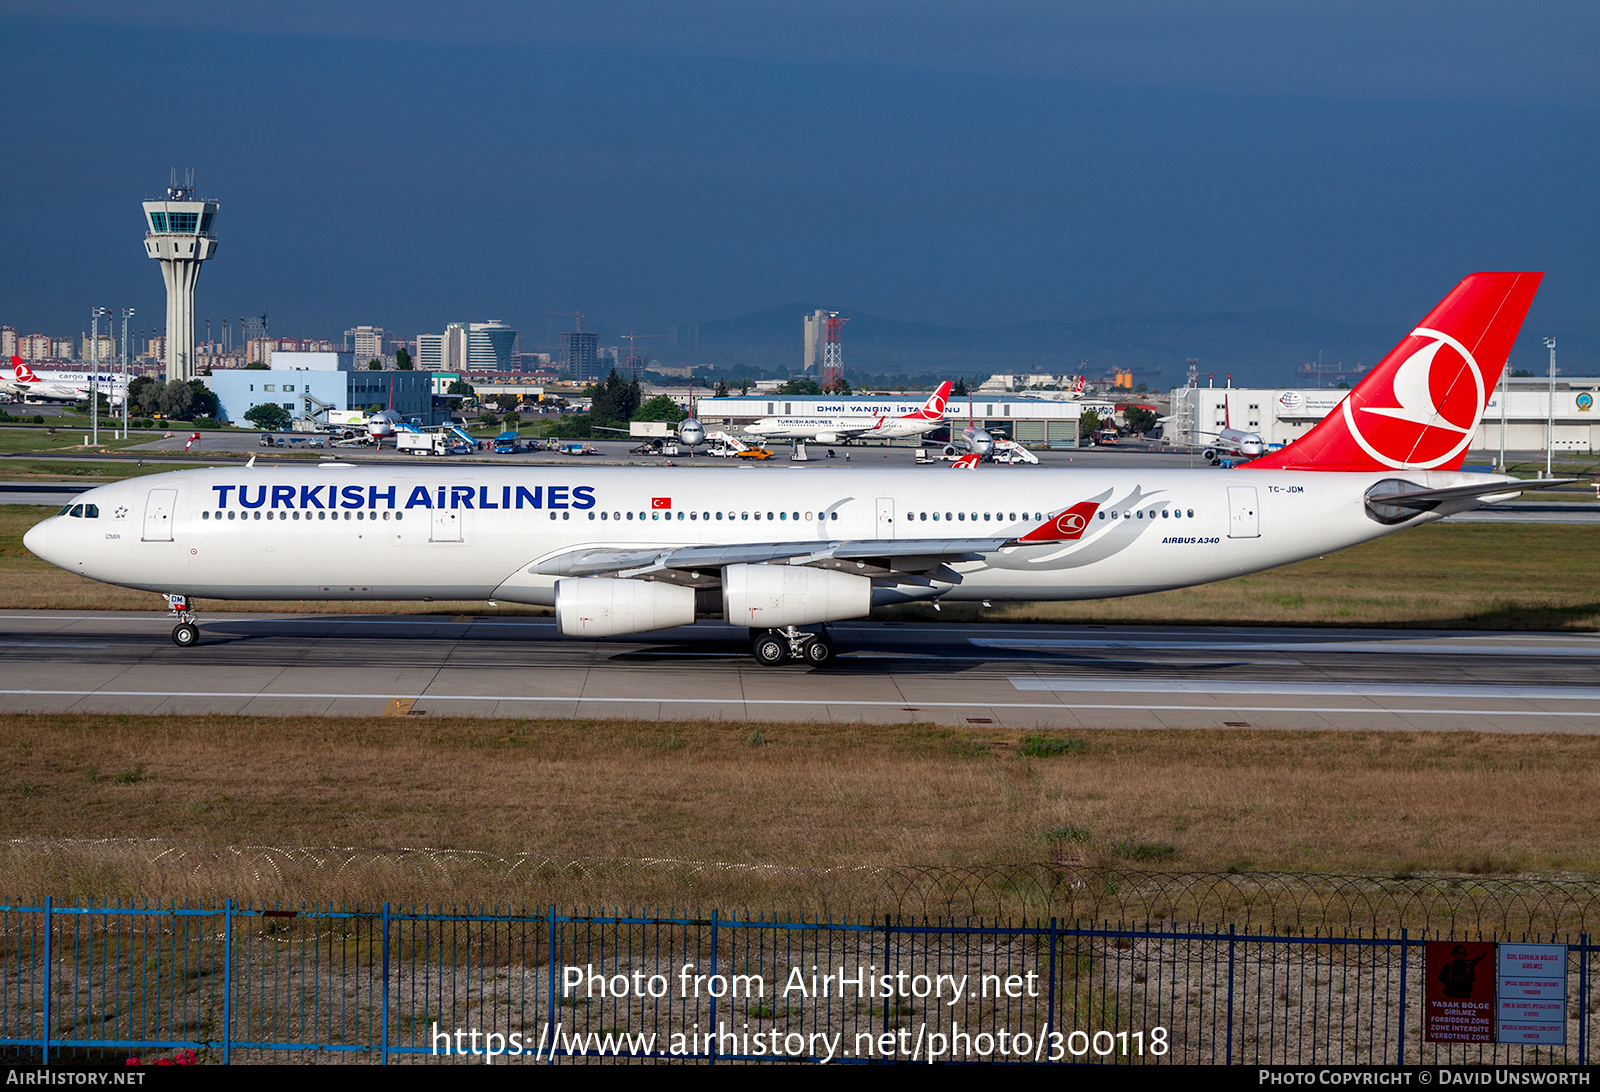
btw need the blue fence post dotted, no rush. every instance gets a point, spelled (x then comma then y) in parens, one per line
(1583, 998)
(711, 1058)
(1400, 1050)
(550, 1013)
(45, 1031)
(385, 1034)
(227, 981)
(1227, 1058)
(1050, 1005)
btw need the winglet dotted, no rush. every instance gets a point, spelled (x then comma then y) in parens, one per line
(1069, 526)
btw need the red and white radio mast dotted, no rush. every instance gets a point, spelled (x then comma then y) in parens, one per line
(833, 353)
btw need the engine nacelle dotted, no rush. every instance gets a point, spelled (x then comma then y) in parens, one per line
(767, 596)
(599, 606)
(826, 438)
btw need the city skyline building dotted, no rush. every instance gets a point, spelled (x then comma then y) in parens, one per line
(489, 346)
(583, 354)
(180, 237)
(366, 342)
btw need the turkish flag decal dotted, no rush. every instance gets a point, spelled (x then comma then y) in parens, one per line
(660, 502)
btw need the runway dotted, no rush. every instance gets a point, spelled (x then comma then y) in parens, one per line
(974, 676)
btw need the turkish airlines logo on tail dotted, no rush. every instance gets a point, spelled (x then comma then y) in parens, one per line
(933, 408)
(23, 372)
(1431, 410)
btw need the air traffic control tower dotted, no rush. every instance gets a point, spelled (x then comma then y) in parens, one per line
(180, 238)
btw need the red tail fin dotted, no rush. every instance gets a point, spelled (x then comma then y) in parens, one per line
(22, 371)
(1419, 408)
(933, 408)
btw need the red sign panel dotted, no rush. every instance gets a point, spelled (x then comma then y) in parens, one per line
(660, 502)
(1458, 994)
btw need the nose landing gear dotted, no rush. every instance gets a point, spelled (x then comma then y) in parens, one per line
(185, 634)
(806, 644)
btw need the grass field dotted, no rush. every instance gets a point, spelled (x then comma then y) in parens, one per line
(65, 436)
(1448, 576)
(796, 795)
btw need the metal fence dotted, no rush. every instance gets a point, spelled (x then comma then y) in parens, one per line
(256, 982)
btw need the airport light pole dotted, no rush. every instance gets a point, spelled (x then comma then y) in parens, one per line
(1504, 385)
(127, 313)
(1550, 415)
(96, 314)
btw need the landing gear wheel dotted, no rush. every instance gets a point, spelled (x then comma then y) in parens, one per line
(819, 651)
(770, 650)
(186, 635)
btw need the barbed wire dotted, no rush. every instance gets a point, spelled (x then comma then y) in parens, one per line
(1255, 900)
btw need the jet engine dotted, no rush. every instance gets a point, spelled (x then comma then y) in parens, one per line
(769, 596)
(599, 606)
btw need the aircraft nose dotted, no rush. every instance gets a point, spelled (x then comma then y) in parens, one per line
(37, 540)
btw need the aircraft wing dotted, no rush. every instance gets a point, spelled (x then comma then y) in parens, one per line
(877, 557)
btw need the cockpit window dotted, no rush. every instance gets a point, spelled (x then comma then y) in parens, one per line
(77, 511)
(91, 511)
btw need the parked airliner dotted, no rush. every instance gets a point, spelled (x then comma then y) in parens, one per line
(784, 552)
(842, 428)
(24, 382)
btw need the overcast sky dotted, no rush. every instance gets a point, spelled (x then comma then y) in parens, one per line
(409, 164)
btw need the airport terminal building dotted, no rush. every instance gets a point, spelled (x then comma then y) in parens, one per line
(1026, 420)
(310, 384)
(1282, 416)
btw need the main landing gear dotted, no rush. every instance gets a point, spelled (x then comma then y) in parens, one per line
(185, 634)
(805, 644)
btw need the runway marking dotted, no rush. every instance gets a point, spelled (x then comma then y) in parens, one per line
(45, 644)
(1379, 646)
(1313, 689)
(814, 702)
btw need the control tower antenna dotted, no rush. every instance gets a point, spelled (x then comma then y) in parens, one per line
(179, 236)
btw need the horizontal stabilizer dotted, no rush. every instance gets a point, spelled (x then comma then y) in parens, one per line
(1395, 500)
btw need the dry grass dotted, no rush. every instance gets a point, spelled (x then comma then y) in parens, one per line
(1472, 576)
(805, 796)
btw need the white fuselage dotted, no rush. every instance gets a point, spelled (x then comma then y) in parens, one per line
(363, 532)
(831, 430)
(63, 386)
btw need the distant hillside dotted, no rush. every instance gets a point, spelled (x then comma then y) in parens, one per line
(1258, 347)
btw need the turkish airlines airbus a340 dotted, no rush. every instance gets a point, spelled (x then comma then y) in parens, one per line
(626, 550)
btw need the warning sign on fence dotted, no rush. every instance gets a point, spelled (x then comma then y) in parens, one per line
(1458, 1002)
